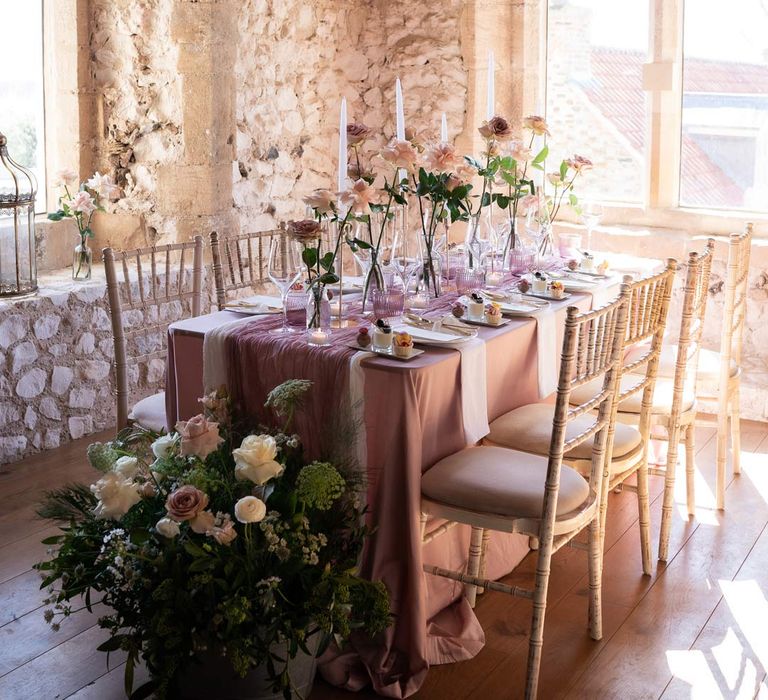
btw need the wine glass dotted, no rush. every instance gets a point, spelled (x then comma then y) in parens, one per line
(591, 213)
(284, 271)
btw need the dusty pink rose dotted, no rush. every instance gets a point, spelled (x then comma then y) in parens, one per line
(496, 128)
(441, 158)
(82, 202)
(103, 186)
(199, 436)
(579, 163)
(216, 403)
(304, 231)
(357, 133)
(185, 503)
(520, 152)
(320, 200)
(555, 179)
(356, 172)
(528, 202)
(202, 522)
(359, 197)
(223, 530)
(536, 124)
(400, 154)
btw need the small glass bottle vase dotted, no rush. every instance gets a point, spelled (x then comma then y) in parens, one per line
(318, 309)
(82, 261)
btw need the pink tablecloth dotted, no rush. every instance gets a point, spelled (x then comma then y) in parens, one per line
(412, 414)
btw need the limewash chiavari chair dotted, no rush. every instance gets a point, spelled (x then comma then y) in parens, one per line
(728, 388)
(493, 488)
(163, 291)
(674, 404)
(240, 262)
(627, 445)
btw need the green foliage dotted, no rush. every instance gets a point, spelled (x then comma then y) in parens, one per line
(319, 485)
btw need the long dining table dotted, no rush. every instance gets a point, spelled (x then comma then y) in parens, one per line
(395, 419)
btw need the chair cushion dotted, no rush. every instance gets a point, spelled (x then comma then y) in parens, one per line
(499, 481)
(150, 413)
(529, 428)
(707, 371)
(662, 395)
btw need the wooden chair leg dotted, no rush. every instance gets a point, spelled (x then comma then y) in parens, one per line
(722, 457)
(595, 580)
(644, 511)
(690, 469)
(736, 429)
(668, 500)
(473, 565)
(423, 525)
(537, 623)
(483, 560)
(533, 543)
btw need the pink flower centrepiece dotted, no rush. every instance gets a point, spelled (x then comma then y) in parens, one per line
(83, 203)
(320, 200)
(185, 503)
(579, 163)
(536, 124)
(359, 197)
(199, 436)
(441, 158)
(304, 231)
(496, 128)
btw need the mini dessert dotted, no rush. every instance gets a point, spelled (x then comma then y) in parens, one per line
(573, 264)
(493, 313)
(382, 335)
(363, 337)
(403, 344)
(588, 262)
(524, 286)
(539, 283)
(603, 267)
(458, 309)
(556, 289)
(476, 307)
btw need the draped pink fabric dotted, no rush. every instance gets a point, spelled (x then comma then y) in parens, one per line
(413, 419)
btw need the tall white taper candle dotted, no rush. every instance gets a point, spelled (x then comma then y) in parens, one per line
(343, 145)
(399, 114)
(491, 87)
(444, 129)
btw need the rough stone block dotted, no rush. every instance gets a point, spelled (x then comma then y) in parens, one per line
(32, 383)
(47, 326)
(49, 408)
(81, 398)
(61, 379)
(23, 354)
(79, 426)
(13, 329)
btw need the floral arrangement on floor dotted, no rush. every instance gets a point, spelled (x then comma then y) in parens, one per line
(80, 204)
(203, 540)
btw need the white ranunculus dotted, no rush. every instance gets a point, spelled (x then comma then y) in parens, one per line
(250, 509)
(116, 495)
(255, 459)
(126, 467)
(163, 446)
(167, 528)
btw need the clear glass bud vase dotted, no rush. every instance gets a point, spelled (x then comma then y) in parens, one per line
(82, 261)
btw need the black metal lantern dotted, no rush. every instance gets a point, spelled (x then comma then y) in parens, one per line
(18, 187)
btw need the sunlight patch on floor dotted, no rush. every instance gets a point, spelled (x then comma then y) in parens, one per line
(691, 666)
(749, 608)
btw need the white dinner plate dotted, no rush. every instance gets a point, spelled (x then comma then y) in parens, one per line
(441, 338)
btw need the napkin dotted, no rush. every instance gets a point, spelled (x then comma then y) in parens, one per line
(357, 405)
(214, 354)
(474, 390)
(546, 350)
(604, 293)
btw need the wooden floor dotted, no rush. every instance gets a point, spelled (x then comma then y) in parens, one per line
(698, 627)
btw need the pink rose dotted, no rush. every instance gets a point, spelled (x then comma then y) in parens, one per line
(185, 503)
(529, 201)
(579, 163)
(357, 133)
(202, 522)
(359, 197)
(356, 172)
(441, 158)
(496, 128)
(400, 154)
(199, 436)
(82, 202)
(223, 530)
(304, 231)
(536, 124)
(519, 152)
(320, 200)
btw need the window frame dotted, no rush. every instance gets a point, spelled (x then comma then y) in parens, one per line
(663, 85)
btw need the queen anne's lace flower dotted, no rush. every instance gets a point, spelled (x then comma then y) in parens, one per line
(319, 484)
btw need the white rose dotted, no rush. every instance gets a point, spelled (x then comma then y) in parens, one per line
(250, 509)
(167, 528)
(126, 467)
(116, 496)
(255, 459)
(163, 446)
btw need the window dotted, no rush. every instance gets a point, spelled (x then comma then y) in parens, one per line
(607, 84)
(724, 143)
(21, 87)
(595, 100)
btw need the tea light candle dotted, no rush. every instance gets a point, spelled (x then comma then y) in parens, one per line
(418, 301)
(493, 279)
(318, 337)
(336, 307)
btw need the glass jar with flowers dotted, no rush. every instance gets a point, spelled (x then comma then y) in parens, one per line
(80, 204)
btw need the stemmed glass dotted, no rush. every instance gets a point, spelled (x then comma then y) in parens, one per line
(284, 270)
(591, 213)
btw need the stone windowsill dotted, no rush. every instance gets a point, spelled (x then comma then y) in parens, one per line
(57, 285)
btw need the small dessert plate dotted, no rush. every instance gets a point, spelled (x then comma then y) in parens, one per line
(546, 295)
(525, 307)
(388, 352)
